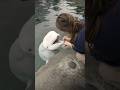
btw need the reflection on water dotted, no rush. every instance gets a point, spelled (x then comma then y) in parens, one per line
(45, 7)
(46, 12)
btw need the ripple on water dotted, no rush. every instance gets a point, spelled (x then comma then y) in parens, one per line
(46, 12)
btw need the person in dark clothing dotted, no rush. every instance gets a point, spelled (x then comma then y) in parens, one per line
(75, 28)
(103, 35)
(79, 45)
(67, 23)
(102, 31)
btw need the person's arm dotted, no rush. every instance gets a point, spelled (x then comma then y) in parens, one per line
(68, 44)
(79, 44)
(67, 38)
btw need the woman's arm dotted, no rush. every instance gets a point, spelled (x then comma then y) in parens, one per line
(79, 44)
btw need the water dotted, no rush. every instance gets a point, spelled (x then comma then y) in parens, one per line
(46, 12)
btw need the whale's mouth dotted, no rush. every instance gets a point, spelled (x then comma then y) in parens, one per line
(56, 40)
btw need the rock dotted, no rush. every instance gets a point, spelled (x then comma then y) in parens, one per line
(63, 72)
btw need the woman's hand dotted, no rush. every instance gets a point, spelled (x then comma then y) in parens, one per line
(68, 44)
(66, 38)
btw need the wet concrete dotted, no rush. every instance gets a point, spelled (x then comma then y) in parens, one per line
(63, 72)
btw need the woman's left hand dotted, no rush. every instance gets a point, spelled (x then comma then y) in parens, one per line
(68, 44)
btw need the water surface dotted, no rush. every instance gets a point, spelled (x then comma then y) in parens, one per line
(46, 12)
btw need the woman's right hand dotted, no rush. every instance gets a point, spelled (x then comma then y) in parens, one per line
(67, 44)
(66, 38)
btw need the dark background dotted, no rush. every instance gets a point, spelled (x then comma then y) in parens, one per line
(13, 15)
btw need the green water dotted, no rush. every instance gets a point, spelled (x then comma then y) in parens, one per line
(46, 12)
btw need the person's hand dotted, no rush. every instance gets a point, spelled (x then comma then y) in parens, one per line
(66, 38)
(68, 44)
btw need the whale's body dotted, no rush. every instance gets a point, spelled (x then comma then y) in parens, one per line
(44, 53)
(21, 55)
(48, 47)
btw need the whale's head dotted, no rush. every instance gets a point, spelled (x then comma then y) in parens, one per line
(51, 38)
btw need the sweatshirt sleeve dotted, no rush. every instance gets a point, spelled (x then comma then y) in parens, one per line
(79, 44)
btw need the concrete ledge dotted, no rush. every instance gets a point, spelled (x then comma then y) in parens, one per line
(63, 72)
